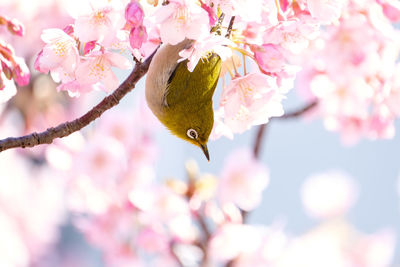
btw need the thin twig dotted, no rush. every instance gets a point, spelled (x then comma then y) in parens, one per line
(230, 26)
(297, 113)
(262, 129)
(258, 141)
(172, 251)
(66, 128)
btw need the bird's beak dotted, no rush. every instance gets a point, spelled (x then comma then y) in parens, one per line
(205, 151)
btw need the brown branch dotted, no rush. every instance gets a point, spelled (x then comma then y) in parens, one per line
(230, 27)
(263, 128)
(259, 138)
(297, 113)
(174, 255)
(66, 128)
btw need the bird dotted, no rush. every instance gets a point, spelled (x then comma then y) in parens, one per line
(180, 99)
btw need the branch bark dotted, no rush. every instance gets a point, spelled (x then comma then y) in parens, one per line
(262, 129)
(67, 128)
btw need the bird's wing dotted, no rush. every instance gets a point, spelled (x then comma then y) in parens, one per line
(193, 87)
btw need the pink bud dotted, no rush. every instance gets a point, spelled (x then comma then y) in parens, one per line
(137, 36)
(89, 46)
(6, 70)
(21, 72)
(134, 14)
(212, 16)
(69, 29)
(2, 85)
(16, 27)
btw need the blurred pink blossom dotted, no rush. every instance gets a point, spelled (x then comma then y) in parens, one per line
(243, 179)
(28, 232)
(328, 194)
(326, 11)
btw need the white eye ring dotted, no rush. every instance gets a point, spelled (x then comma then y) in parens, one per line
(191, 133)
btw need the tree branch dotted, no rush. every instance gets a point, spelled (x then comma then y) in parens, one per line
(290, 115)
(297, 113)
(65, 129)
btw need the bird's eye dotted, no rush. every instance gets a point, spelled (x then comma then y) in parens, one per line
(192, 133)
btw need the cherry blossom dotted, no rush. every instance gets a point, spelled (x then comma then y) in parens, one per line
(181, 19)
(99, 23)
(201, 48)
(357, 103)
(250, 100)
(97, 68)
(60, 52)
(243, 180)
(28, 233)
(326, 11)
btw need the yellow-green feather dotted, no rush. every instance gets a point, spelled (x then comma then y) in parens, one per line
(188, 99)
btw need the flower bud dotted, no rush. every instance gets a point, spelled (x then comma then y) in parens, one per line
(134, 14)
(137, 37)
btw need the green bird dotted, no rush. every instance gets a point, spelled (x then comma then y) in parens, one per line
(180, 99)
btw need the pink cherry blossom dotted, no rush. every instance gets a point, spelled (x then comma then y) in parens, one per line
(100, 23)
(27, 233)
(293, 34)
(250, 100)
(359, 103)
(201, 48)
(337, 243)
(60, 51)
(97, 68)
(243, 180)
(325, 11)
(270, 58)
(182, 19)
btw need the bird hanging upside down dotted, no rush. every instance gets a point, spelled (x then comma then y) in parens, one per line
(180, 99)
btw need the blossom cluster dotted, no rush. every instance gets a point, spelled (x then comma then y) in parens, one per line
(352, 70)
(81, 56)
(268, 33)
(355, 88)
(12, 68)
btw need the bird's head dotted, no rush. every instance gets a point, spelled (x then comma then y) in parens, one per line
(193, 125)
